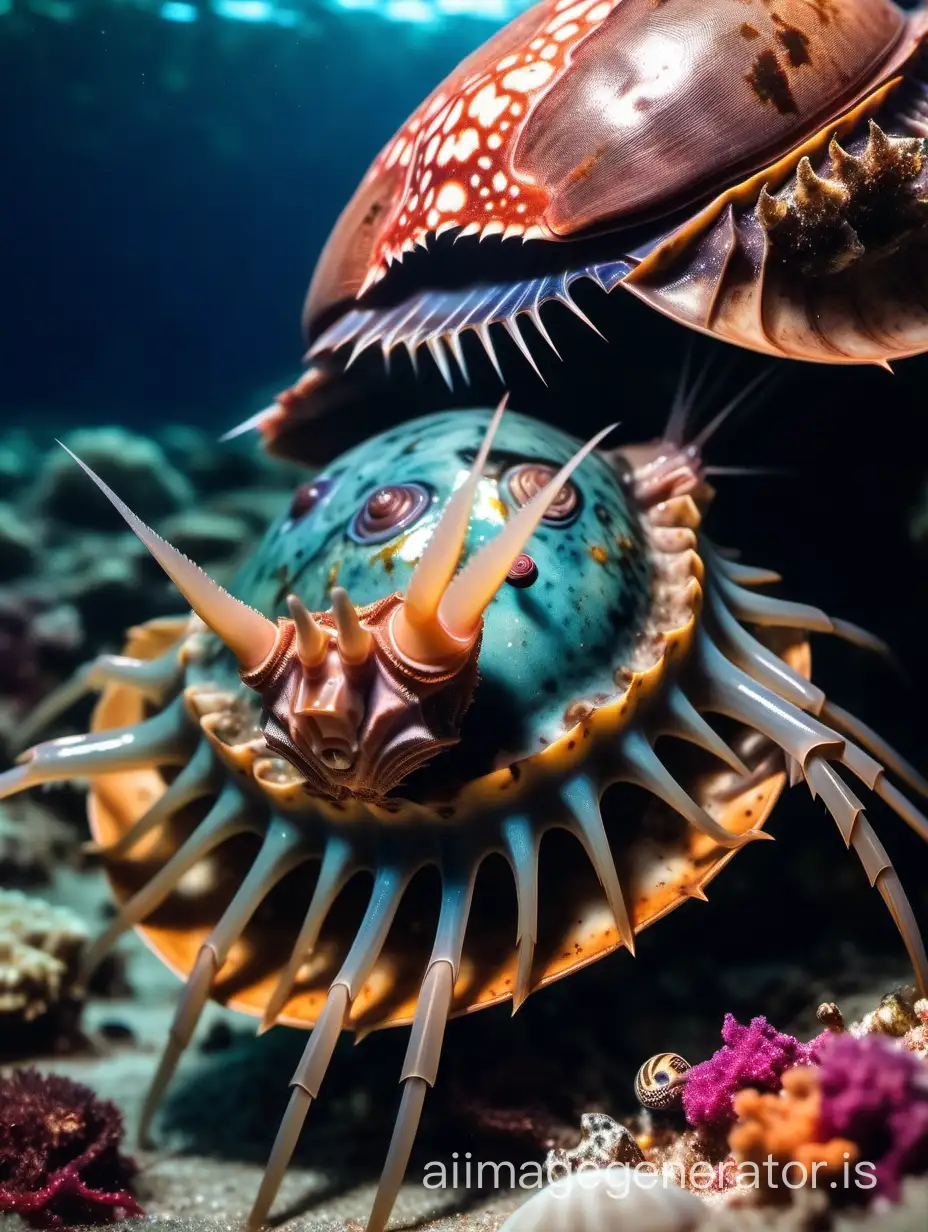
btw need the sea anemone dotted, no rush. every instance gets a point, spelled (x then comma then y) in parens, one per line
(60, 1162)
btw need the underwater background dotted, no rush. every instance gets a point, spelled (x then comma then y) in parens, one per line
(170, 171)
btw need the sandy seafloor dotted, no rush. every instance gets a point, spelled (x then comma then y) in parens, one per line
(216, 1124)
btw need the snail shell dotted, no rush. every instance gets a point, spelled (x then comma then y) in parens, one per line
(659, 1082)
(611, 1200)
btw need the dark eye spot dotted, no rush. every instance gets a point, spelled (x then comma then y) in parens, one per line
(389, 510)
(307, 497)
(525, 481)
(523, 573)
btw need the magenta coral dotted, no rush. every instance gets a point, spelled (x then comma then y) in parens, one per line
(876, 1094)
(60, 1162)
(753, 1056)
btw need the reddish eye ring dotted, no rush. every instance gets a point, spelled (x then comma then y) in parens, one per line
(388, 510)
(525, 481)
(307, 497)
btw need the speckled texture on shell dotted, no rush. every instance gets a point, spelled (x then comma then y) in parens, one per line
(546, 646)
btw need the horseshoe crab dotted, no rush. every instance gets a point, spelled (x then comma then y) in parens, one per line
(752, 169)
(301, 798)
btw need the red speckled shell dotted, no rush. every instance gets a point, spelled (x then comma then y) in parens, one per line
(588, 113)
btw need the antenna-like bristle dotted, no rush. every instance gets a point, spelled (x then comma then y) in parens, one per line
(248, 634)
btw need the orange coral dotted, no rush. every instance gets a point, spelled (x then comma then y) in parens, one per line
(773, 1131)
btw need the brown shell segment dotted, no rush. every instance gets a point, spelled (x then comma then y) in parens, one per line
(817, 257)
(664, 98)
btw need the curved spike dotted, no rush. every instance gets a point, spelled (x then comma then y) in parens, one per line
(248, 634)
(283, 848)
(848, 813)
(688, 724)
(153, 678)
(160, 740)
(848, 723)
(336, 869)
(464, 601)
(195, 780)
(416, 627)
(902, 807)
(582, 802)
(312, 642)
(521, 842)
(726, 689)
(228, 816)
(644, 767)
(354, 641)
(420, 1070)
(747, 575)
(758, 661)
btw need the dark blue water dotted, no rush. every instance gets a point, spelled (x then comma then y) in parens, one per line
(167, 186)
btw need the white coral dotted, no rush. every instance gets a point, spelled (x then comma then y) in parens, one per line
(39, 948)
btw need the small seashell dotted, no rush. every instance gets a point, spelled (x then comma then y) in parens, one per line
(603, 1142)
(617, 1199)
(659, 1082)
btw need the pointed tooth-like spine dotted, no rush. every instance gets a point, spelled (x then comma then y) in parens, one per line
(815, 193)
(483, 333)
(453, 339)
(581, 800)
(511, 325)
(770, 210)
(521, 842)
(437, 352)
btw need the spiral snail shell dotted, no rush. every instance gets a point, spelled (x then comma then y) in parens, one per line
(659, 1082)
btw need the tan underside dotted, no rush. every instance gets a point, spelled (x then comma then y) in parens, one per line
(658, 872)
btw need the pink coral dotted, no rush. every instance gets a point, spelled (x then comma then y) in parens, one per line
(876, 1094)
(753, 1056)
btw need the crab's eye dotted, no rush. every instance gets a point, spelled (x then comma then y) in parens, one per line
(525, 481)
(307, 497)
(388, 510)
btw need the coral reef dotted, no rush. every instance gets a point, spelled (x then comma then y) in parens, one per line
(754, 1056)
(786, 1128)
(33, 842)
(72, 580)
(40, 947)
(875, 1094)
(60, 1162)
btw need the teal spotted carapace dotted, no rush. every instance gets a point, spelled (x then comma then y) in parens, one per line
(483, 704)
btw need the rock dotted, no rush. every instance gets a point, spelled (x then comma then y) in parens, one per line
(207, 537)
(134, 466)
(212, 465)
(19, 543)
(33, 841)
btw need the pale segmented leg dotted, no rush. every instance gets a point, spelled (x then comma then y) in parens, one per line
(198, 778)
(781, 706)
(163, 739)
(420, 1068)
(155, 680)
(389, 885)
(283, 848)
